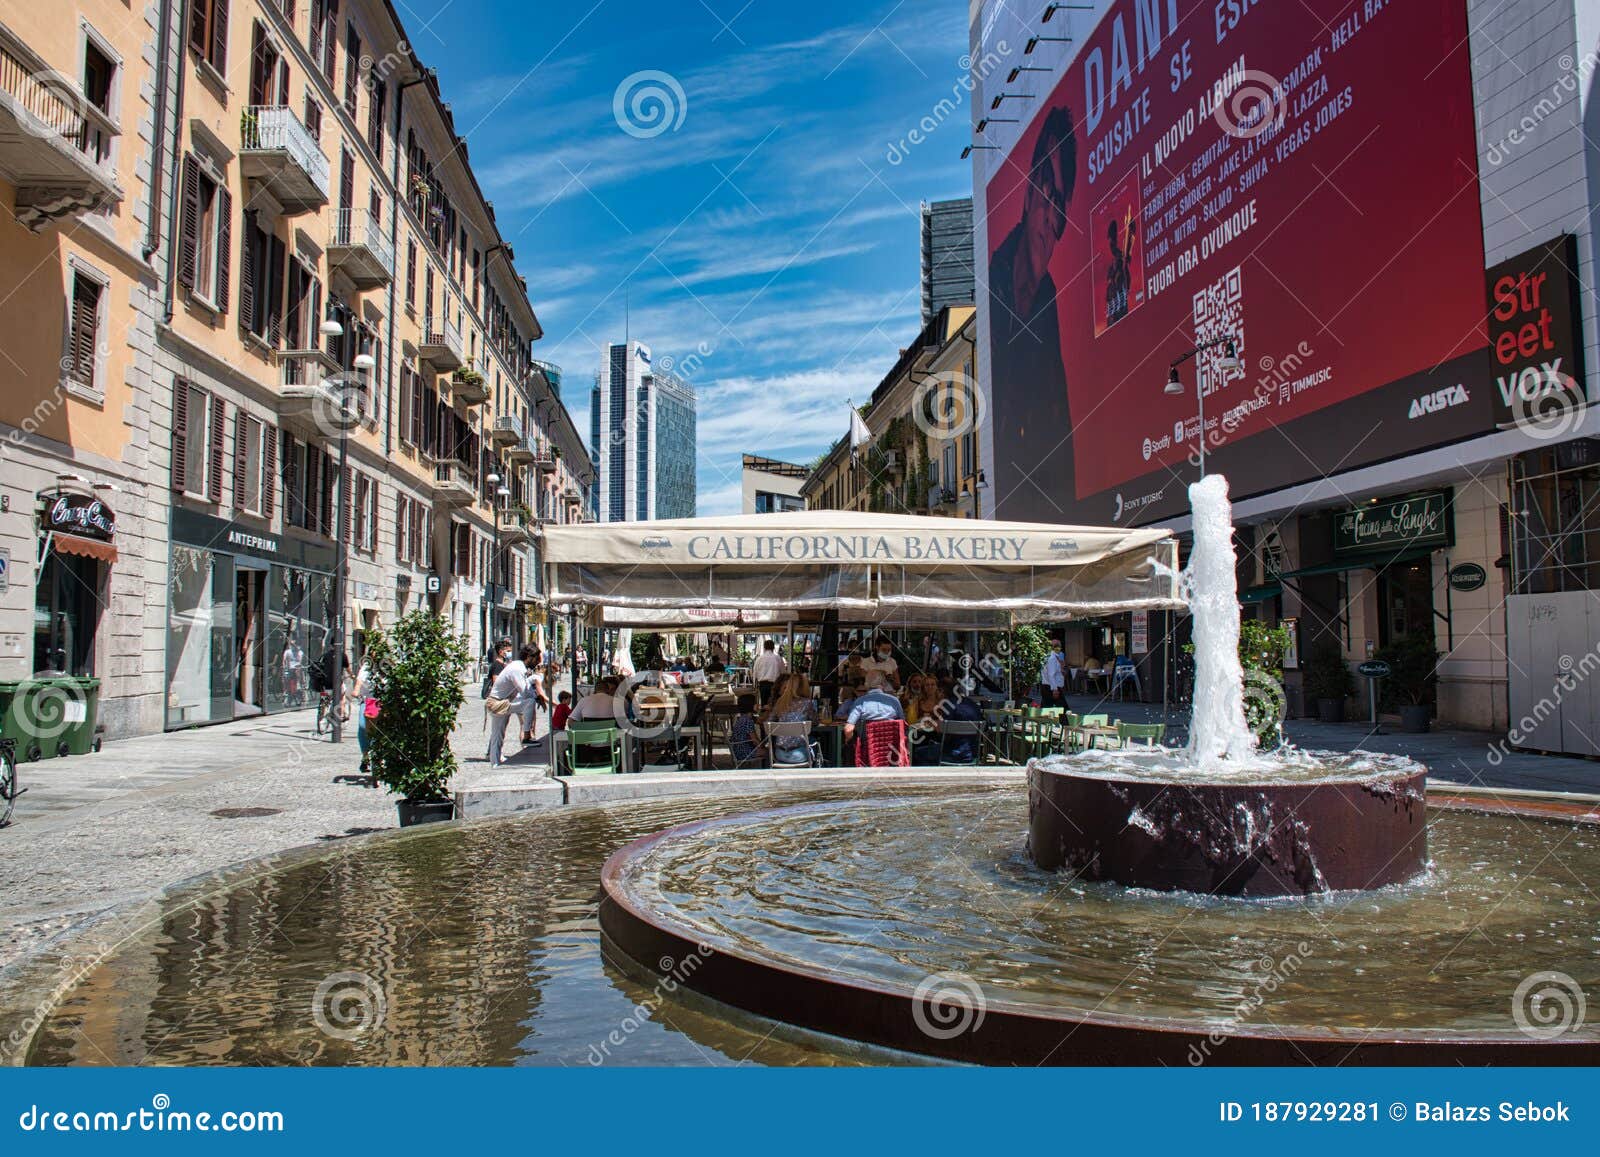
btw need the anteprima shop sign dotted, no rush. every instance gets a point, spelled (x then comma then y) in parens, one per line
(248, 541)
(855, 548)
(1420, 520)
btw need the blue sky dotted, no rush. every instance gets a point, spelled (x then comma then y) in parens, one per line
(767, 240)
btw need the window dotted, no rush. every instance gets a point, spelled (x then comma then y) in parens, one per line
(313, 118)
(208, 32)
(411, 275)
(352, 70)
(83, 331)
(377, 104)
(262, 257)
(205, 235)
(196, 442)
(100, 91)
(269, 72)
(950, 475)
(324, 35)
(251, 476)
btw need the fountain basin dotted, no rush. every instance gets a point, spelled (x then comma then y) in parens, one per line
(1310, 823)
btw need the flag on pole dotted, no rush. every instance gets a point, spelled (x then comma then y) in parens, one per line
(859, 434)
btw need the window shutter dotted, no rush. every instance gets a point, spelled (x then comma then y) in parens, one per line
(219, 410)
(347, 504)
(189, 220)
(294, 506)
(241, 438)
(180, 435)
(85, 323)
(197, 27)
(347, 182)
(219, 35)
(224, 244)
(277, 262)
(247, 273)
(325, 497)
(269, 471)
(283, 79)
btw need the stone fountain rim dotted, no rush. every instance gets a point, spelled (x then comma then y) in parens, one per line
(1395, 768)
(644, 938)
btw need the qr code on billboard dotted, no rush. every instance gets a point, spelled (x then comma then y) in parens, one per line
(1219, 312)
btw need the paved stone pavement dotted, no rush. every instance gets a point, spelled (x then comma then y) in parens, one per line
(93, 831)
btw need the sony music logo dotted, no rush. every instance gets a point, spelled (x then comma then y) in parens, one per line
(1455, 395)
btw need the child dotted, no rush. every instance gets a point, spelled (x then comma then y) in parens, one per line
(742, 736)
(558, 717)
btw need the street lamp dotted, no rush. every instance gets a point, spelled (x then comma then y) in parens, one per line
(484, 619)
(979, 485)
(362, 363)
(1228, 363)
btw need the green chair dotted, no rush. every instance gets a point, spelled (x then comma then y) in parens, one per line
(585, 740)
(1037, 735)
(1150, 734)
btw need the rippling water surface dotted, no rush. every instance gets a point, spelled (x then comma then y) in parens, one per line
(479, 944)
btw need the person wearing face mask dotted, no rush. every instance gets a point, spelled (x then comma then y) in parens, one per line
(882, 672)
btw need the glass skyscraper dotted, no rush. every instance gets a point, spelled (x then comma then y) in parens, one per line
(642, 428)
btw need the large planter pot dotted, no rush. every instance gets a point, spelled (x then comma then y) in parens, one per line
(1414, 718)
(425, 811)
(1330, 710)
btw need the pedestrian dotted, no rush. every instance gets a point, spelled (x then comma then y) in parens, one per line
(536, 696)
(507, 697)
(1054, 676)
(881, 670)
(563, 711)
(366, 708)
(495, 662)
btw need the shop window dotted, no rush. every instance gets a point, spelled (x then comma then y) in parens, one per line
(66, 614)
(1555, 523)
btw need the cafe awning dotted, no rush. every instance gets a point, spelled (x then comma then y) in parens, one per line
(82, 547)
(864, 566)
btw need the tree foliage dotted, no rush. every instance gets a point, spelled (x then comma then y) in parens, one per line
(417, 671)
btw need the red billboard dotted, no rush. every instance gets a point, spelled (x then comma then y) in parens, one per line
(1299, 177)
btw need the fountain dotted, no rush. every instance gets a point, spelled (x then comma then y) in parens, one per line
(1225, 906)
(1218, 816)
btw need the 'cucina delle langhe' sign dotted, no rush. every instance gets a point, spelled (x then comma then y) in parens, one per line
(1419, 520)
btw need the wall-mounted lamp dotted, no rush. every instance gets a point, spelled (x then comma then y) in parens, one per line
(967, 152)
(331, 327)
(995, 103)
(1022, 68)
(987, 121)
(1033, 42)
(1050, 10)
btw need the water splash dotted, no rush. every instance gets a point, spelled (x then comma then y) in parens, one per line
(1218, 733)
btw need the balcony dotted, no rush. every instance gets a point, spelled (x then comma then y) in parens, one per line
(506, 431)
(516, 528)
(544, 461)
(360, 249)
(281, 156)
(522, 451)
(314, 401)
(468, 386)
(441, 345)
(55, 146)
(453, 485)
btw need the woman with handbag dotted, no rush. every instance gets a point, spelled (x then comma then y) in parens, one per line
(366, 707)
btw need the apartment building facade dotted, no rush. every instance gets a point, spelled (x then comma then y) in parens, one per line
(924, 416)
(327, 334)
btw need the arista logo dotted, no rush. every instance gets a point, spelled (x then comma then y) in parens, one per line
(1455, 395)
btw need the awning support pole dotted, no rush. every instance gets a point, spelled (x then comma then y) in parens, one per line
(572, 619)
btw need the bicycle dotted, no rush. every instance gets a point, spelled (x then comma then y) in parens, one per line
(9, 791)
(325, 712)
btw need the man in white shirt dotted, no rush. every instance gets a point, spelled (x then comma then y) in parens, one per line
(881, 671)
(1054, 676)
(511, 689)
(768, 668)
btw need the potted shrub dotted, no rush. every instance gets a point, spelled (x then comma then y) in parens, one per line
(1328, 681)
(417, 671)
(1413, 670)
(1261, 648)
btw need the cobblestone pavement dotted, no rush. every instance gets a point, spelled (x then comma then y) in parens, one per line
(94, 831)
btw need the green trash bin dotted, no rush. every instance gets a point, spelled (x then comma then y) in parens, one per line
(50, 715)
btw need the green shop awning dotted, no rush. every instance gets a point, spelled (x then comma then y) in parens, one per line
(1373, 562)
(1260, 594)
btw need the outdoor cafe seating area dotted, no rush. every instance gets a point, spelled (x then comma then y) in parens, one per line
(690, 728)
